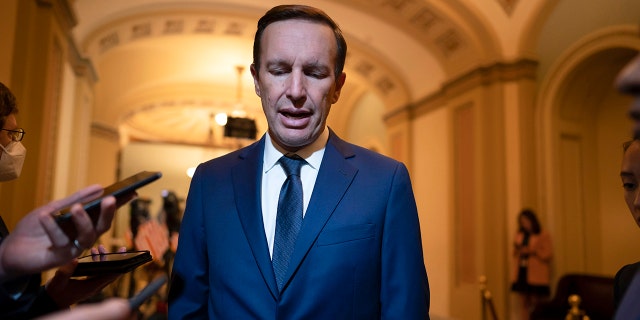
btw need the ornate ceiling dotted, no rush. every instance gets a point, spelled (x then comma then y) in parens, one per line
(165, 67)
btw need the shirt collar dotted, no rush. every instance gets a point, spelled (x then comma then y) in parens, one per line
(312, 153)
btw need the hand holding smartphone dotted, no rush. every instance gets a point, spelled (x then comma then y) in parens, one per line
(120, 190)
(111, 263)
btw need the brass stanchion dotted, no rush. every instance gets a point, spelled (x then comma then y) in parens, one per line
(574, 312)
(486, 300)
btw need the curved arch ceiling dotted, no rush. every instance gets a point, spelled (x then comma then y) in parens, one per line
(165, 66)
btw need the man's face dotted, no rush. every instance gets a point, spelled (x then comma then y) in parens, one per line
(628, 82)
(630, 174)
(296, 81)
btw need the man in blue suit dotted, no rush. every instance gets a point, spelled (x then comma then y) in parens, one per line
(356, 251)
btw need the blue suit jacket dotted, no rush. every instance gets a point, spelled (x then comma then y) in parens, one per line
(358, 254)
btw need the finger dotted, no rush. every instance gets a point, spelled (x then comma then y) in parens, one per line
(95, 255)
(107, 211)
(122, 249)
(111, 309)
(83, 195)
(101, 249)
(56, 235)
(86, 234)
(62, 275)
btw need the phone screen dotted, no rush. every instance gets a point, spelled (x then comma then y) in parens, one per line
(112, 256)
(111, 263)
(118, 189)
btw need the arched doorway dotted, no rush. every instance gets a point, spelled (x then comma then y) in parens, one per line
(582, 120)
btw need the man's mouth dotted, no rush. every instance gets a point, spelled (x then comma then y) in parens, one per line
(296, 115)
(295, 119)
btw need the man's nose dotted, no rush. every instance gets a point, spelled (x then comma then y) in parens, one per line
(636, 200)
(296, 89)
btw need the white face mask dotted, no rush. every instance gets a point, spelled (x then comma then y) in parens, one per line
(11, 161)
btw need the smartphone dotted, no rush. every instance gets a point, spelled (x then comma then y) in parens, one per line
(111, 263)
(148, 291)
(118, 189)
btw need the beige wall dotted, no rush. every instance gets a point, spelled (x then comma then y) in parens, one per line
(33, 67)
(433, 192)
(7, 30)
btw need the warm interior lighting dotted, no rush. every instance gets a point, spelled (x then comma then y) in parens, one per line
(238, 124)
(191, 171)
(221, 118)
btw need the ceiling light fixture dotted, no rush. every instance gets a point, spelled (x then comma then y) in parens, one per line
(239, 125)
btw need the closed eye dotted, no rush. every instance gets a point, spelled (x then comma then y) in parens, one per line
(318, 72)
(628, 186)
(278, 68)
(278, 71)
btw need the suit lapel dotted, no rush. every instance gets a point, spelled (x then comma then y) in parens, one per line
(333, 180)
(247, 179)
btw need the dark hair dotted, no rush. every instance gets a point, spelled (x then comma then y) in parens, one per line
(301, 12)
(529, 214)
(171, 206)
(7, 104)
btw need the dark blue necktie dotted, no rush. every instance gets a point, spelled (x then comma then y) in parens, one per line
(289, 217)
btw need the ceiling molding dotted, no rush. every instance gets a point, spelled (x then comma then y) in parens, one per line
(427, 25)
(481, 76)
(158, 24)
(63, 10)
(104, 131)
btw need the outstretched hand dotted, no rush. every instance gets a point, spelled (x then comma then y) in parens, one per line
(38, 243)
(66, 291)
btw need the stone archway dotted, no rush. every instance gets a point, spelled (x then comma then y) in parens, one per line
(582, 123)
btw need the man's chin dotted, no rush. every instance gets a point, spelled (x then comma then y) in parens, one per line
(292, 142)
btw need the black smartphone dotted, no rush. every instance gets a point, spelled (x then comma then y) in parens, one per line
(118, 189)
(111, 263)
(148, 291)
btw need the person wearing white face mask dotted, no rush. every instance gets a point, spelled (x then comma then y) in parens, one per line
(37, 243)
(13, 154)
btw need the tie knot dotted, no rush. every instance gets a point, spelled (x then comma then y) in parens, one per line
(292, 164)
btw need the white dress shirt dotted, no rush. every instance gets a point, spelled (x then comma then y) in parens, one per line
(273, 177)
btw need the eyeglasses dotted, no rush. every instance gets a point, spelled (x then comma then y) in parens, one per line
(16, 135)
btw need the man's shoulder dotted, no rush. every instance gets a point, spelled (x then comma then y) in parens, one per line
(359, 153)
(628, 271)
(230, 159)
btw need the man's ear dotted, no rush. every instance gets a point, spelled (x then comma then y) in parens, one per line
(339, 84)
(256, 83)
